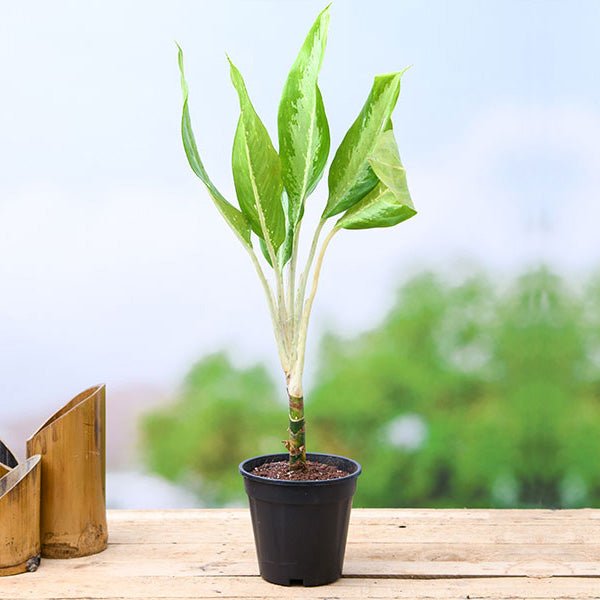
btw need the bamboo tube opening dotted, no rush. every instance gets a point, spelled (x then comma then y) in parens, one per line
(69, 406)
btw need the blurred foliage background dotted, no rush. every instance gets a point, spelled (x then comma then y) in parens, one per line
(464, 395)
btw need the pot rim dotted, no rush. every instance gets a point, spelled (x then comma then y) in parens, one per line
(307, 482)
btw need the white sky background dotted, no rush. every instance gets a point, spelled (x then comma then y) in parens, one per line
(115, 266)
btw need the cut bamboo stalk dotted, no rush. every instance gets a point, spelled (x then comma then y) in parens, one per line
(20, 518)
(73, 508)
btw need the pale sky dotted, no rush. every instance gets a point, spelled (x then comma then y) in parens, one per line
(115, 266)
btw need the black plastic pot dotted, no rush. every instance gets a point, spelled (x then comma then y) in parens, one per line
(300, 527)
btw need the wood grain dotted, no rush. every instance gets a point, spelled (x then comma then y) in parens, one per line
(72, 446)
(391, 553)
(20, 518)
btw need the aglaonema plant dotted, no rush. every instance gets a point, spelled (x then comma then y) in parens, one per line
(367, 189)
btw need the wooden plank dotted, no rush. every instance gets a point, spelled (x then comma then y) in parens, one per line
(76, 586)
(373, 514)
(435, 554)
(390, 527)
(402, 560)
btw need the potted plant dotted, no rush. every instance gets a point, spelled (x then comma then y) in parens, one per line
(300, 502)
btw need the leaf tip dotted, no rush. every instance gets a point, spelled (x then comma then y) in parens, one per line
(233, 70)
(179, 56)
(184, 86)
(324, 18)
(395, 75)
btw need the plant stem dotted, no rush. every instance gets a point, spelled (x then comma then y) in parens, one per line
(296, 443)
(295, 383)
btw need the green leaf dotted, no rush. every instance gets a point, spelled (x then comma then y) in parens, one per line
(285, 251)
(257, 171)
(283, 254)
(389, 202)
(303, 129)
(265, 251)
(385, 162)
(232, 215)
(350, 175)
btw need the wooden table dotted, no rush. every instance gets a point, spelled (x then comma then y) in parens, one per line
(391, 553)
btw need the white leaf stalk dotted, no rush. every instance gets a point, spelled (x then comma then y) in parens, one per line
(290, 309)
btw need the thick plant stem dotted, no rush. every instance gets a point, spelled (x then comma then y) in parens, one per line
(296, 442)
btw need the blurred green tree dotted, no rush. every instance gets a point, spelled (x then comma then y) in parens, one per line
(199, 441)
(462, 396)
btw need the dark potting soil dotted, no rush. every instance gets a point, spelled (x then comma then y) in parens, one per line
(315, 471)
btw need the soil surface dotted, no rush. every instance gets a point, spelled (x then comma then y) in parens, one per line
(315, 471)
